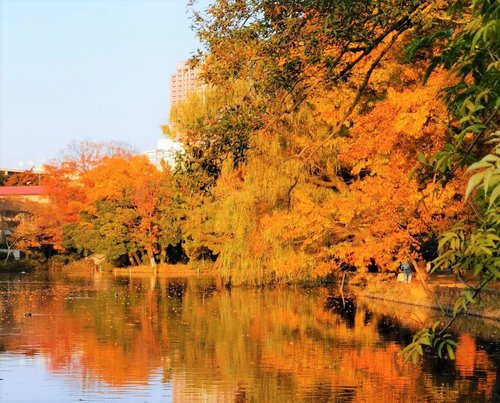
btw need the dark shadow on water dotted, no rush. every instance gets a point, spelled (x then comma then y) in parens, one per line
(344, 307)
(176, 289)
(392, 330)
(368, 317)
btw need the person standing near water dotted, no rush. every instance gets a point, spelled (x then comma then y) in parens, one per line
(406, 268)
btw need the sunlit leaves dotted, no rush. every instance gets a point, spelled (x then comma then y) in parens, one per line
(129, 209)
(302, 64)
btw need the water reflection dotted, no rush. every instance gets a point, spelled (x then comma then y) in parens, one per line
(154, 337)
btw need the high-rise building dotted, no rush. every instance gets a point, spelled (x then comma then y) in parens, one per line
(166, 150)
(183, 81)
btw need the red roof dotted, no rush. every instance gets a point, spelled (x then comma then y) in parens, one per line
(22, 191)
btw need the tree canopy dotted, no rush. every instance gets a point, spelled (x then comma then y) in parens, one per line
(327, 135)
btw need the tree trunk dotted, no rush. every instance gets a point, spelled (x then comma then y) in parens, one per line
(131, 259)
(137, 259)
(151, 256)
(422, 275)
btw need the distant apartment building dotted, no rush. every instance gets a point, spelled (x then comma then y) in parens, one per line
(182, 82)
(166, 150)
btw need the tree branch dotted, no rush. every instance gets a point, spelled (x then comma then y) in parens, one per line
(481, 286)
(351, 108)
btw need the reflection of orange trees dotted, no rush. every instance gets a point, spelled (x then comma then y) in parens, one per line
(275, 345)
(109, 361)
(466, 355)
(116, 338)
(290, 341)
(343, 357)
(127, 344)
(371, 371)
(475, 365)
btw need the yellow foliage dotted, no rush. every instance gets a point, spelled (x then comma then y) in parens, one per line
(310, 198)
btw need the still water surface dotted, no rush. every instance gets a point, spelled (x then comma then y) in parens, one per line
(148, 339)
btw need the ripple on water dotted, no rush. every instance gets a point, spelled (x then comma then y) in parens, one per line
(146, 339)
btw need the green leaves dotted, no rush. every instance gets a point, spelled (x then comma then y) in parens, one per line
(428, 338)
(463, 302)
(488, 176)
(473, 183)
(420, 44)
(472, 55)
(475, 102)
(474, 244)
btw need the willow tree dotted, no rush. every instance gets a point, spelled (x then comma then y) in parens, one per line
(308, 168)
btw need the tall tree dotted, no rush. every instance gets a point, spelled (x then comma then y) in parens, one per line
(335, 117)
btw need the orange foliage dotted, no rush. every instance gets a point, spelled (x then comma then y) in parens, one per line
(242, 338)
(130, 183)
(377, 210)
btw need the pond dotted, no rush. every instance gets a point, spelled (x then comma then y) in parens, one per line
(156, 338)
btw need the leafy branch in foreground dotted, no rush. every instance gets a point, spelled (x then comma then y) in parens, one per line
(473, 246)
(441, 340)
(429, 338)
(475, 251)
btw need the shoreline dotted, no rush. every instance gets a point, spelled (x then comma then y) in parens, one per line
(439, 294)
(447, 310)
(164, 270)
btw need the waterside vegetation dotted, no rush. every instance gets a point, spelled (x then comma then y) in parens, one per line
(329, 136)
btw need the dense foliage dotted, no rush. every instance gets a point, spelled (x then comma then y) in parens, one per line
(300, 147)
(341, 99)
(473, 244)
(107, 202)
(328, 135)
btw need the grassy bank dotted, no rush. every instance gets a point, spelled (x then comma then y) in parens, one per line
(439, 294)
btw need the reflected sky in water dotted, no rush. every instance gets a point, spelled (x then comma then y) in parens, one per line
(27, 379)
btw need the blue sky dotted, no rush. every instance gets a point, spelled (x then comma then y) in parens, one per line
(86, 69)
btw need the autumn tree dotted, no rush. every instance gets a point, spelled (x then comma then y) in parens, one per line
(336, 115)
(126, 212)
(66, 189)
